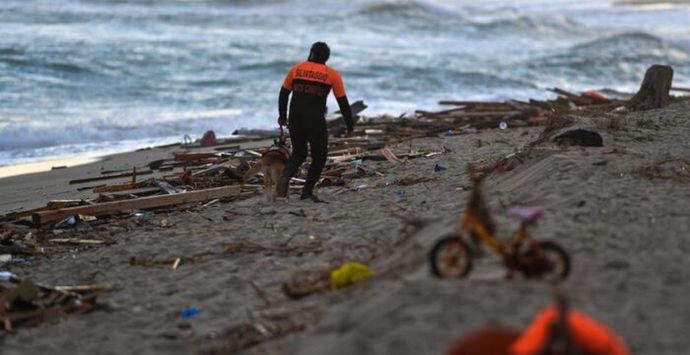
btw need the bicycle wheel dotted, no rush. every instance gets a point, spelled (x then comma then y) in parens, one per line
(548, 261)
(450, 257)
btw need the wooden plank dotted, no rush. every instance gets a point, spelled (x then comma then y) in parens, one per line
(680, 89)
(99, 178)
(64, 203)
(119, 187)
(106, 208)
(193, 156)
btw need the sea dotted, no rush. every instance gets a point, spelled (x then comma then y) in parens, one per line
(85, 77)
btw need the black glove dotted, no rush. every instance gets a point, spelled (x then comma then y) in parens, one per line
(282, 121)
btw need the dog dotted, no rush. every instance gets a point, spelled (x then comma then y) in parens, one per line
(272, 165)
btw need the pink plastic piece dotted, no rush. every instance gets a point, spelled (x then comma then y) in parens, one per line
(526, 214)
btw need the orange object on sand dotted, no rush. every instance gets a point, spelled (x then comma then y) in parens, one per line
(589, 336)
(490, 340)
(595, 95)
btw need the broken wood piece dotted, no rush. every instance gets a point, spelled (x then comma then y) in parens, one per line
(575, 98)
(210, 170)
(106, 208)
(193, 156)
(165, 186)
(63, 203)
(107, 177)
(86, 288)
(390, 156)
(212, 202)
(78, 241)
(120, 187)
(680, 89)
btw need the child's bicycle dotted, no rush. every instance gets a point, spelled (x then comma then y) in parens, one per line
(452, 255)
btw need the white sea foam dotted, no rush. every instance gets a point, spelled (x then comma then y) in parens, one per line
(86, 75)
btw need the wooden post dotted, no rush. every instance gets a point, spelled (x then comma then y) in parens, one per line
(106, 208)
(654, 91)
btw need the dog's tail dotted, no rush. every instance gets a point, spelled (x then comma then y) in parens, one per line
(252, 171)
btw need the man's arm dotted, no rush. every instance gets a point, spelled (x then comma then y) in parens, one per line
(282, 106)
(344, 105)
(283, 98)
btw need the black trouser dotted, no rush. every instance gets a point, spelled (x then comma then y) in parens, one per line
(310, 130)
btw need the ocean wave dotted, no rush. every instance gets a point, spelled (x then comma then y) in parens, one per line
(632, 47)
(19, 135)
(522, 25)
(407, 9)
(65, 67)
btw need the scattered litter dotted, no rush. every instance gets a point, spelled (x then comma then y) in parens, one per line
(27, 303)
(189, 312)
(348, 274)
(580, 137)
(503, 125)
(143, 216)
(176, 263)
(438, 167)
(400, 193)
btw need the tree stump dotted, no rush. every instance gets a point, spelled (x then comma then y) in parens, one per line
(654, 91)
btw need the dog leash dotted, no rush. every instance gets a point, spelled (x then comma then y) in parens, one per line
(281, 139)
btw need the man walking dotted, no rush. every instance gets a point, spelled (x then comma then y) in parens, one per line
(310, 83)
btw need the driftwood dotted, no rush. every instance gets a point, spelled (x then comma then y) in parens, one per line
(655, 88)
(43, 217)
(107, 177)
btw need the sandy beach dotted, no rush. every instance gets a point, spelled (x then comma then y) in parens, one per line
(621, 211)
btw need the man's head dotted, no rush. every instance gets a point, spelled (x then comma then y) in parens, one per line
(319, 52)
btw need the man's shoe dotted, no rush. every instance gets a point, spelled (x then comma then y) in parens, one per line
(283, 187)
(312, 197)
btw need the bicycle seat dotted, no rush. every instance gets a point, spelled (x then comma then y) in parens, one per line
(526, 214)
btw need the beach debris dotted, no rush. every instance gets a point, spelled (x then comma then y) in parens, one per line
(439, 167)
(667, 169)
(410, 180)
(133, 174)
(400, 193)
(25, 303)
(169, 189)
(655, 88)
(348, 274)
(258, 330)
(176, 264)
(208, 139)
(580, 137)
(106, 208)
(143, 216)
(304, 282)
(189, 312)
(389, 155)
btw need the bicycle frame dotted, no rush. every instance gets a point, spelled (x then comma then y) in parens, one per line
(470, 224)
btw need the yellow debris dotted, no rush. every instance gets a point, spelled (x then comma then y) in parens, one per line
(348, 274)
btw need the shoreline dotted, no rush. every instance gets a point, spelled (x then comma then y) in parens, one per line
(48, 165)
